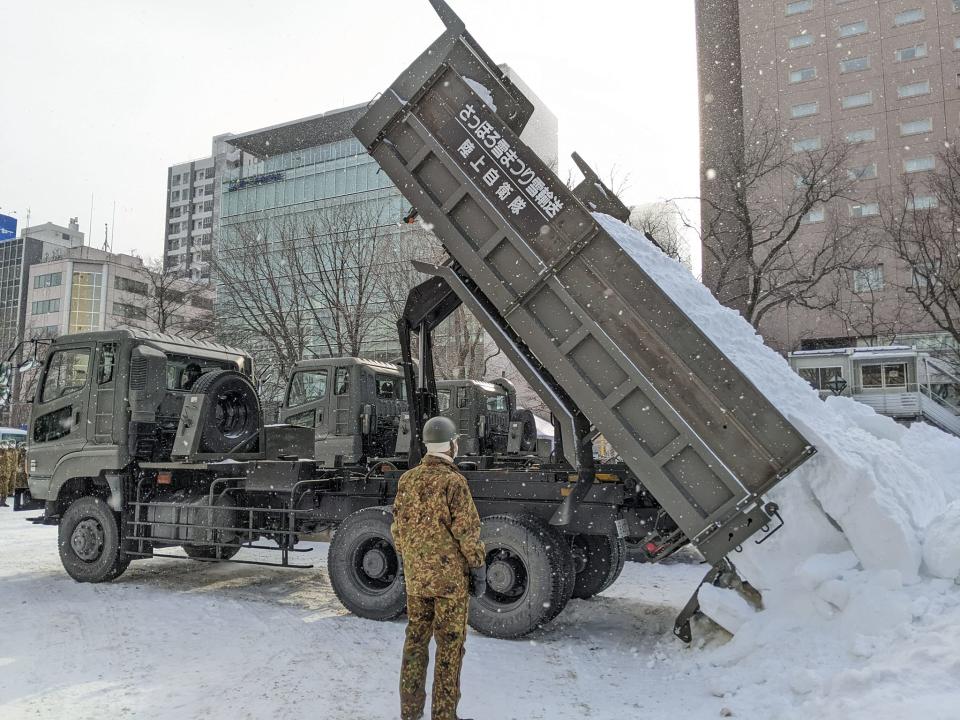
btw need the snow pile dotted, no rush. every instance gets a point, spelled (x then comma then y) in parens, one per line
(866, 562)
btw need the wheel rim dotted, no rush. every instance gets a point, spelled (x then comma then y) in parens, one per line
(231, 413)
(87, 540)
(507, 579)
(374, 566)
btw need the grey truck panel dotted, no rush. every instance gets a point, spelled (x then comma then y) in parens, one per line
(705, 442)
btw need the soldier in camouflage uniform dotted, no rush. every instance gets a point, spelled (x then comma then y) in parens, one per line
(436, 530)
(7, 472)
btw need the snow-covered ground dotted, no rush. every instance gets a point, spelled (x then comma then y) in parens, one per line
(174, 639)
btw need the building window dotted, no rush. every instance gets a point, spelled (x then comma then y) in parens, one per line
(864, 210)
(818, 377)
(956, 5)
(855, 64)
(800, 41)
(907, 17)
(885, 375)
(47, 280)
(803, 75)
(804, 109)
(814, 216)
(866, 172)
(799, 6)
(868, 279)
(42, 307)
(913, 89)
(920, 164)
(956, 43)
(130, 312)
(911, 53)
(862, 136)
(859, 100)
(916, 127)
(814, 143)
(852, 29)
(174, 179)
(129, 285)
(85, 301)
(922, 202)
(175, 195)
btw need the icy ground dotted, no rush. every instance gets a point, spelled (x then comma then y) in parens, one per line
(174, 639)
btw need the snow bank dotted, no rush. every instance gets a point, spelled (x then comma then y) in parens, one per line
(860, 607)
(853, 492)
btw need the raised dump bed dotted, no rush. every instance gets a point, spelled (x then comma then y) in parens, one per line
(703, 440)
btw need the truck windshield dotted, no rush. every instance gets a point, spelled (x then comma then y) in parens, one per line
(497, 403)
(307, 386)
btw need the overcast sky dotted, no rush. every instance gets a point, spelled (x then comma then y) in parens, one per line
(101, 96)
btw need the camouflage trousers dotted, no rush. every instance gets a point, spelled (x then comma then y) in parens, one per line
(6, 484)
(444, 619)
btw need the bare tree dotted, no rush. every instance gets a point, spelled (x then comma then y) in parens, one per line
(176, 304)
(416, 241)
(770, 236)
(339, 268)
(922, 222)
(663, 222)
(261, 308)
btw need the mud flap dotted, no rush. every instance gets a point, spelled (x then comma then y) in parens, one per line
(23, 500)
(724, 575)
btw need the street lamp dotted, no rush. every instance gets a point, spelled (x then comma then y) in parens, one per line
(836, 385)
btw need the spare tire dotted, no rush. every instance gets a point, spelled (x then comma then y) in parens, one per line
(231, 417)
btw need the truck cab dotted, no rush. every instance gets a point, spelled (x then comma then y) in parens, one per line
(96, 410)
(482, 412)
(356, 407)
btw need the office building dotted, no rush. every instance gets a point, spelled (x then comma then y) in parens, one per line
(307, 169)
(882, 76)
(193, 208)
(84, 289)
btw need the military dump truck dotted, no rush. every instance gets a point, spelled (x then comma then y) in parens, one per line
(129, 459)
(359, 412)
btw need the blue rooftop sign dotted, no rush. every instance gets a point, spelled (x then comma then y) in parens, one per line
(8, 228)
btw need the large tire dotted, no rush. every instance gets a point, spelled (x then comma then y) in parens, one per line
(528, 576)
(363, 565)
(209, 552)
(601, 559)
(89, 539)
(232, 417)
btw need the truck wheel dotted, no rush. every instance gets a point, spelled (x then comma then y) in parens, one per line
(599, 560)
(89, 540)
(529, 572)
(363, 565)
(233, 415)
(209, 552)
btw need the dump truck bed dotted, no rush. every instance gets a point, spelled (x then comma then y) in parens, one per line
(700, 436)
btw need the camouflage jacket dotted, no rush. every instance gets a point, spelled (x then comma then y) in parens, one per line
(436, 529)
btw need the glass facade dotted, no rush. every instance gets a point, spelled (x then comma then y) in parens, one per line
(85, 301)
(325, 195)
(335, 170)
